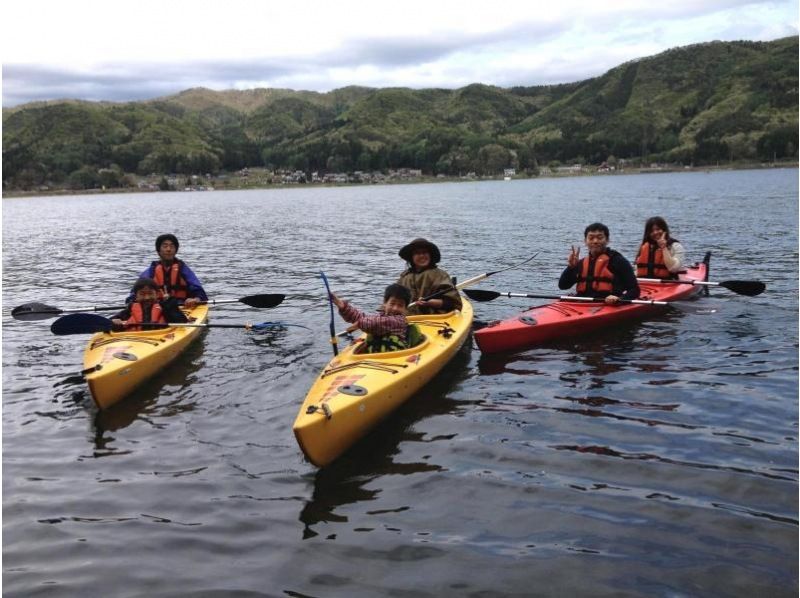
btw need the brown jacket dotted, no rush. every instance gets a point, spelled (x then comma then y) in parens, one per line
(427, 282)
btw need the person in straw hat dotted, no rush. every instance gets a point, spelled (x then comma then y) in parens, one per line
(423, 278)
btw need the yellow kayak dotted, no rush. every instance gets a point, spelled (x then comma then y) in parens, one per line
(117, 362)
(357, 390)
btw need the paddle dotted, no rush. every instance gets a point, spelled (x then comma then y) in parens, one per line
(40, 311)
(481, 295)
(457, 287)
(334, 340)
(751, 288)
(473, 280)
(91, 323)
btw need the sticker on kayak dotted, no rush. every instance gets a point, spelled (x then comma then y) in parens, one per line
(340, 381)
(111, 352)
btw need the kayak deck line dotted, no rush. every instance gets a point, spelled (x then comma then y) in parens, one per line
(133, 339)
(387, 367)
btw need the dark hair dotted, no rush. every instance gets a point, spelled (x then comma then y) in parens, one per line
(662, 224)
(397, 291)
(595, 227)
(145, 283)
(168, 237)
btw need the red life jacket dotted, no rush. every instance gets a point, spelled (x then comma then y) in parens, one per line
(599, 280)
(172, 280)
(138, 317)
(650, 262)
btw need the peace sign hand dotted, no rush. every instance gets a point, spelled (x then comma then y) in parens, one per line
(574, 257)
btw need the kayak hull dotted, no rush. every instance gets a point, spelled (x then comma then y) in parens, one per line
(565, 318)
(356, 391)
(116, 363)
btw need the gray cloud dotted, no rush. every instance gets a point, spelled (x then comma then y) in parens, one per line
(448, 59)
(138, 81)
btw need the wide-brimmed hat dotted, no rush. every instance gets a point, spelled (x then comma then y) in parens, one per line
(407, 251)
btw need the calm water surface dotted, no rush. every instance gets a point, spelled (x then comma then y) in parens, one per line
(657, 459)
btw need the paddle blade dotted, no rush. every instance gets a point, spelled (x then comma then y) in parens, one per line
(751, 288)
(265, 300)
(481, 295)
(80, 324)
(34, 311)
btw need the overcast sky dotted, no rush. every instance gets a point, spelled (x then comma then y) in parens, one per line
(134, 50)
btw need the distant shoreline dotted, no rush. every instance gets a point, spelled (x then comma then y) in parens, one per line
(240, 184)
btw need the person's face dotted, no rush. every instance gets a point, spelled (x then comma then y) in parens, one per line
(146, 295)
(167, 250)
(596, 241)
(656, 232)
(421, 258)
(394, 307)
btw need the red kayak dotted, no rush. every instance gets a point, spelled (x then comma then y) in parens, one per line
(569, 318)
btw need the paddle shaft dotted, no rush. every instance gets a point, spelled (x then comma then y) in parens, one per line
(331, 325)
(575, 298)
(90, 323)
(247, 326)
(456, 287)
(41, 311)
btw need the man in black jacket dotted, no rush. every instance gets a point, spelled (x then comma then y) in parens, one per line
(603, 273)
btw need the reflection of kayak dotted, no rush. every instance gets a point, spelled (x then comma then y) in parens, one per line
(117, 362)
(357, 390)
(567, 318)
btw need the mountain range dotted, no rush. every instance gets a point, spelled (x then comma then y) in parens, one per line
(699, 104)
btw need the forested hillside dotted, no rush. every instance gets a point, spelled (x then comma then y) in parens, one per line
(701, 104)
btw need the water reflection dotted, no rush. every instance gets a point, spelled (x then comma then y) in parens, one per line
(160, 397)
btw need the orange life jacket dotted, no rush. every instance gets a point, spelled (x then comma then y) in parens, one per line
(599, 280)
(650, 262)
(172, 280)
(137, 316)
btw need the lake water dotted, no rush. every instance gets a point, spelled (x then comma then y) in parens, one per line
(656, 459)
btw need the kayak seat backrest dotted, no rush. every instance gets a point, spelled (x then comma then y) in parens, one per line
(414, 335)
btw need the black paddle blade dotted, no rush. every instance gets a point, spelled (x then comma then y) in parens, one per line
(751, 288)
(266, 300)
(34, 311)
(481, 295)
(80, 324)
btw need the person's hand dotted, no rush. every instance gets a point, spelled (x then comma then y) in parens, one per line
(574, 257)
(117, 324)
(336, 301)
(191, 302)
(662, 240)
(612, 300)
(431, 303)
